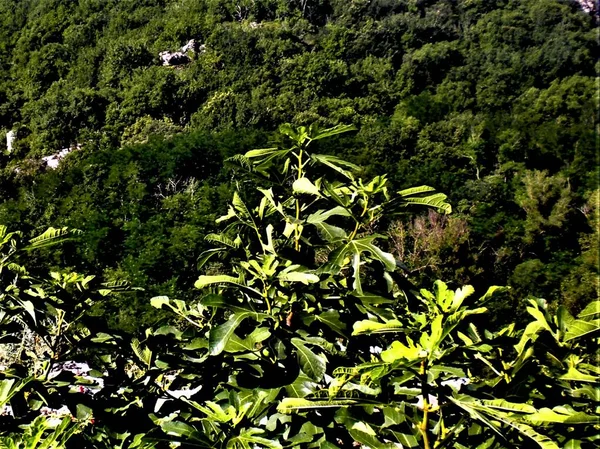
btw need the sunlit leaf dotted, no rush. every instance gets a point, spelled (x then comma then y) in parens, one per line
(303, 185)
(220, 335)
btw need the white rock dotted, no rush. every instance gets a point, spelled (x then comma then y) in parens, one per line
(53, 160)
(175, 58)
(190, 46)
(10, 139)
(587, 5)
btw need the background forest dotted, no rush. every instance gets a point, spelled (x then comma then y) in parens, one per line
(226, 224)
(491, 102)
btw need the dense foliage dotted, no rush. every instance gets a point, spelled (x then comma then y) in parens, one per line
(492, 102)
(313, 322)
(305, 333)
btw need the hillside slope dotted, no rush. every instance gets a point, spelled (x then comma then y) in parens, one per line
(492, 102)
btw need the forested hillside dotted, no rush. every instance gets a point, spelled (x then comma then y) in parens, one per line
(491, 102)
(247, 224)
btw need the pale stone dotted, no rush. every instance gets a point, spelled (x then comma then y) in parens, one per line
(53, 160)
(587, 5)
(10, 139)
(173, 59)
(190, 46)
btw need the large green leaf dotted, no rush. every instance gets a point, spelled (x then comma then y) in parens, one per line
(353, 250)
(219, 336)
(10, 387)
(223, 240)
(494, 409)
(529, 335)
(563, 415)
(298, 276)
(468, 404)
(237, 344)
(262, 160)
(52, 236)
(242, 211)
(301, 387)
(181, 429)
(574, 374)
(207, 255)
(414, 196)
(501, 404)
(541, 440)
(313, 365)
(399, 351)
(321, 215)
(580, 328)
(366, 438)
(343, 167)
(331, 318)
(304, 185)
(317, 134)
(222, 279)
(411, 191)
(457, 318)
(205, 281)
(142, 352)
(405, 439)
(288, 405)
(437, 201)
(249, 439)
(375, 327)
(219, 301)
(331, 233)
(262, 152)
(292, 132)
(590, 310)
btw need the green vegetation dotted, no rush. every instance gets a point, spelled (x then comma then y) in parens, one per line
(492, 102)
(307, 336)
(309, 325)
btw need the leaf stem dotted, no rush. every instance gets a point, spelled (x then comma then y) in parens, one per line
(266, 296)
(296, 230)
(425, 392)
(355, 231)
(357, 226)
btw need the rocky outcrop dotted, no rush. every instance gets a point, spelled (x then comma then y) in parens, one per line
(588, 5)
(181, 57)
(175, 58)
(53, 160)
(193, 46)
(10, 140)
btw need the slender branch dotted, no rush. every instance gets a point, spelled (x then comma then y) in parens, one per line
(357, 226)
(296, 231)
(55, 346)
(266, 296)
(355, 231)
(425, 392)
